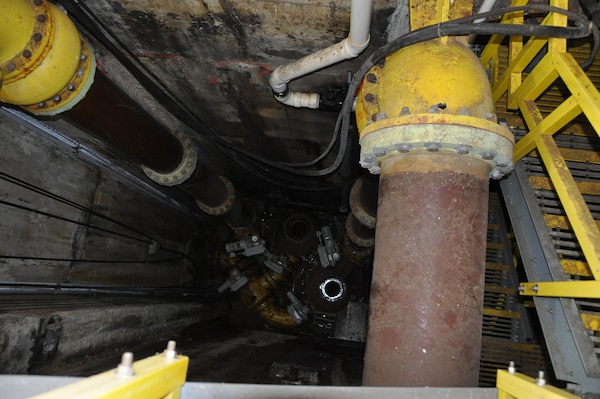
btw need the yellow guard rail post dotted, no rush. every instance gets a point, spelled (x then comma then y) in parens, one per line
(156, 377)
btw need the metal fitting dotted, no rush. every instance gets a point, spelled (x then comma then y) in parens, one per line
(247, 247)
(125, 368)
(170, 353)
(328, 250)
(540, 380)
(332, 289)
(274, 262)
(463, 149)
(433, 147)
(297, 309)
(235, 281)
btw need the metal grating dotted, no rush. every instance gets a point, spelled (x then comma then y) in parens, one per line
(507, 329)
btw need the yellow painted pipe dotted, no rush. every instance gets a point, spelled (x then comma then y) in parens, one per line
(46, 67)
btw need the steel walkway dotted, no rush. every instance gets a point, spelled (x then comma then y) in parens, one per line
(553, 196)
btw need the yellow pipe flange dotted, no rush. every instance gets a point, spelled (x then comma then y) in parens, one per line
(74, 91)
(428, 77)
(53, 69)
(431, 96)
(26, 28)
(465, 135)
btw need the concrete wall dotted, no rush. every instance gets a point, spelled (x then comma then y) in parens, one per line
(49, 240)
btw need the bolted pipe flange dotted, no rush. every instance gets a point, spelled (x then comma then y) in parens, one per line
(74, 91)
(460, 134)
(183, 171)
(225, 206)
(358, 233)
(33, 40)
(53, 68)
(363, 200)
(433, 96)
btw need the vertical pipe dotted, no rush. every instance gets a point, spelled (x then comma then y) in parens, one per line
(428, 275)
(360, 22)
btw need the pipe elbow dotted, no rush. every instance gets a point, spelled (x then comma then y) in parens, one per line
(300, 100)
(352, 49)
(278, 84)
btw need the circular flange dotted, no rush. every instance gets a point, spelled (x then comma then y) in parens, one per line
(465, 135)
(225, 206)
(359, 203)
(183, 171)
(42, 32)
(354, 228)
(74, 91)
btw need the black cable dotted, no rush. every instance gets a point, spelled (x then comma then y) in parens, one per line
(40, 258)
(48, 194)
(77, 222)
(38, 190)
(595, 47)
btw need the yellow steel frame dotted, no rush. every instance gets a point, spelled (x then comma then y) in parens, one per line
(156, 377)
(521, 93)
(515, 385)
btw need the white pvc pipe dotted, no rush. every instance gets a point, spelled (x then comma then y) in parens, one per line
(360, 22)
(350, 47)
(486, 6)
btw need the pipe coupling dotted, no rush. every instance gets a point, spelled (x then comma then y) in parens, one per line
(183, 171)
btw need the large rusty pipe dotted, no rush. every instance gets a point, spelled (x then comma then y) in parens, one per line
(428, 274)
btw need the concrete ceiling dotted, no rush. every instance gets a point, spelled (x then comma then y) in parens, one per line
(215, 57)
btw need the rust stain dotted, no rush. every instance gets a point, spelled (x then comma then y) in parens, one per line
(256, 70)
